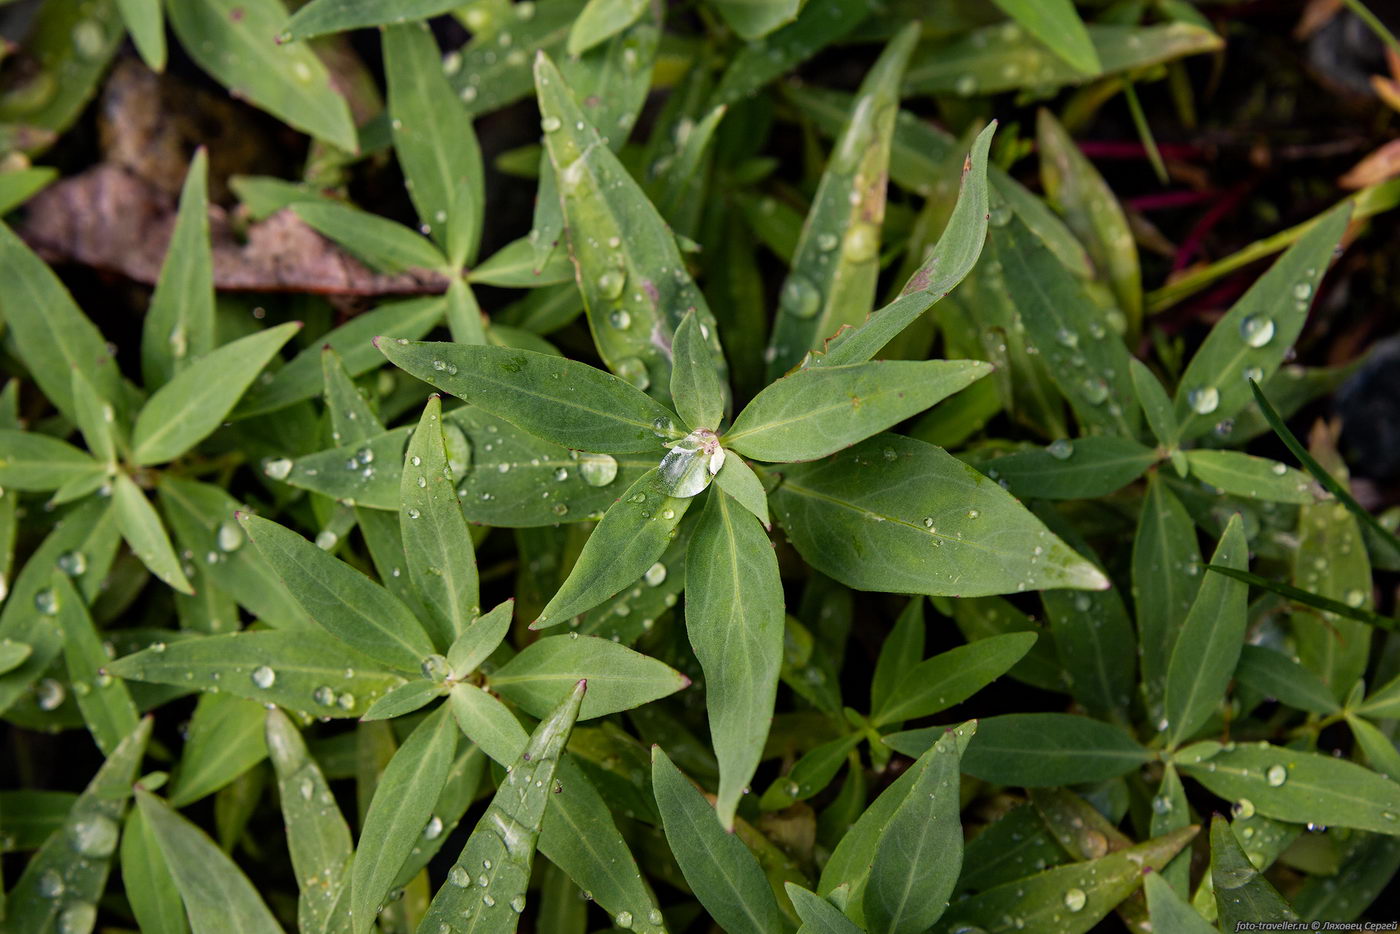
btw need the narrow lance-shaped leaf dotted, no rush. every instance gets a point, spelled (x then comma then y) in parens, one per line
(1168, 911)
(63, 881)
(600, 20)
(949, 262)
(317, 836)
(223, 741)
(721, 871)
(179, 325)
(434, 140)
(145, 533)
(479, 639)
(1208, 646)
(320, 17)
(400, 811)
(1040, 750)
(1156, 405)
(1241, 474)
(632, 535)
(558, 400)
(96, 420)
(634, 282)
(1242, 894)
(147, 880)
(218, 896)
(1057, 24)
(380, 243)
(196, 400)
(618, 678)
(834, 271)
(757, 63)
(738, 480)
(816, 412)
(699, 395)
(343, 601)
(1072, 469)
(104, 700)
(1253, 338)
(33, 461)
(951, 677)
(898, 515)
(734, 618)
(1166, 578)
(818, 915)
(436, 541)
(501, 849)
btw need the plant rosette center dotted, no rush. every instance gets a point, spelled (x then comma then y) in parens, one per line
(691, 463)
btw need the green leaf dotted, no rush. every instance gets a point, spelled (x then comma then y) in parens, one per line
(147, 28)
(634, 282)
(479, 639)
(1156, 405)
(436, 541)
(1274, 674)
(919, 854)
(1208, 647)
(1253, 338)
(1087, 362)
(600, 20)
(147, 880)
(1039, 750)
(1169, 911)
(1055, 23)
(947, 264)
(513, 266)
(218, 896)
(317, 836)
(632, 535)
(1368, 865)
(811, 774)
(96, 420)
(834, 271)
(993, 59)
(1067, 899)
(487, 722)
(380, 243)
(720, 870)
(143, 531)
(225, 739)
(757, 63)
(1080, 469)
(31, 461)
(818, 915)
(1253, 477)
(696, 389)
(502, 847)
(195, 401)
(1242, 895)
(1076, 189)
(310, 671)
(618, 678)
(1166, 578)
(320, 17)
(74, 860)
(51, 335)
(734, 618)
(105, 703)
(816, 412)
(403, 700)
(179, 325)
(233, 41)
(951, 677)
(901, 652)
(340, 599)
(1303, 597)
(737, 479)
(302, 377)
(19, 185)
(1008, 849)
(1299, 787)
(561, 401)
(402, 807)
(898, 515)
(435, 142)
(1379, 749)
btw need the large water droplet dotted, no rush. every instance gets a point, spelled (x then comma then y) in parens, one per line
(230, 536)
(72, 563)
(623, 920)
(550, 124)
(620, 318)
(1276, 775)
(49, 694)
(51, 884)
(435, 668)
(433, 830)
(326, 540)
(77, 918)
(264, 677)
(46, 602)
(324, 695)
(1075, 899)
(862, 243)
(278, 469)
(655, 575)
(517, 904)
(459, 877)
(611, 283)
(1203, 400)
(800, 297)
(1243, 809)
(94, 836)
(1302, 291)
(1257, 330)
(597, 469)
(684, 471)
(1095, 390)
(1061, 449)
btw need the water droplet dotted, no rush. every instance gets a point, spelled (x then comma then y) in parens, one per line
(326, 540)
(800, 298)
(623, 919)
(51, 884)
(49, 694)
(517, 904)
(597, 469)
(1095, 390)
(827, 242)
(487, 900)
(1257, 330)
(278, 469)
(1355, 598)
(1243, 809)
(264, 676)
(620, 319)
(973, 513)
(435, 668)
(77, 918)
(550, 124)
(684, 471)
(459, 877)
(413, 513)
(1075, 899)
(1060, 449)
(1066, 338)
(862, 243)
(1203, 400)
(611, 283)
(230, 536)
(324, 695)
(1162, 804)
(1276, 775)
(634, 371)
(345, 701)
(46, 602)
(89, 38)
(655, 575)
(966, 85)
(434, 828)
(1302, 291)
(1094, 844)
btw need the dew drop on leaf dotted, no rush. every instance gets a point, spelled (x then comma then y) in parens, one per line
(264, 677)
(1257, 330)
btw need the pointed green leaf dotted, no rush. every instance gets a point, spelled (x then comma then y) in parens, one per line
(340, 599)
(1039, 750)
(952, 677)
(1168, 911)
(320, 17)
(487, 722)
(19, 185)
(1208, 646)
(818, 915)
(902, 651)
(404, 699)
(218, 896)
(196, 400)
(436, 542)
(402, 807)
(1241, 474)
(234, 42)
(1080, 469)
(632, 535)
(811, 774)
(96, 420)
(299, 670)
(737, 479)
(720, 869)
(753, 19)
(618, 678)
(1166, 577)
(898, 515)
(600, 20)
(479, 639)
(832, 281)
(224, 740)
(734, 618)
(147, 880)
(434, 140)
(1274, 674)
(31, 461)
(382, 244)
(1242, 895)
(179, 325)
(1252, 339)
(816, 412)
(104, 700)
(143, 531)
(1156, 405)
(696, 389)
(501, 849)
(1057, 24)
(757, 63)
